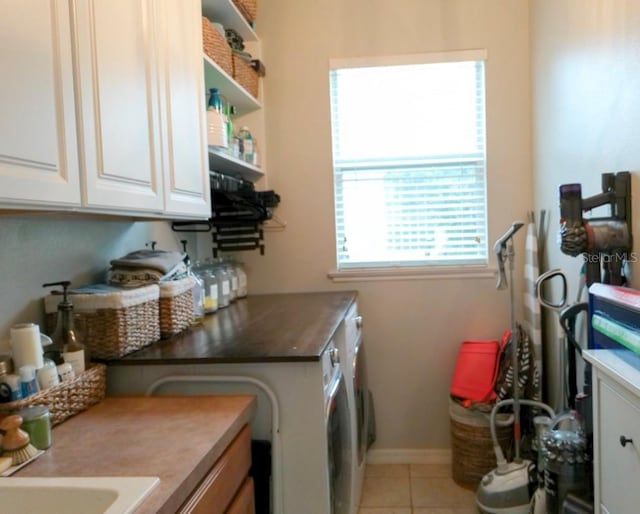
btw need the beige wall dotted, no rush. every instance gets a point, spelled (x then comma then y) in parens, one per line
(586, 91)
(39, 248)
(412, 328)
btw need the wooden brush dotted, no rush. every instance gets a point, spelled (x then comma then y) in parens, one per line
(15, 441)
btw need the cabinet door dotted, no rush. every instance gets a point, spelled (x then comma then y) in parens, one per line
(619, 466)
(38, 143)
(244, 502)
(218, 489)
(186, 165)
(118, 96)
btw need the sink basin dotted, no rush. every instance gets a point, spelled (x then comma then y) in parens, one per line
(89, 495)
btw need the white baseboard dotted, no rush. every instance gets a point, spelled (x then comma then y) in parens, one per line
(408, 456)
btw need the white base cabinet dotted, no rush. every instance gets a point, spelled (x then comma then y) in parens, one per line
(105, 102)
(616, 438)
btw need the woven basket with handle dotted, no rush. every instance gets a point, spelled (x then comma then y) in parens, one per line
(176, 306)
(67, 398)
(112, 324)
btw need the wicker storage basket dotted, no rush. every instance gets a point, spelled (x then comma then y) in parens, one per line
(113, 323)
(245, 75)
(216, 47)
(176, 306)
(247, 8)
(472, 454)
(67, 398)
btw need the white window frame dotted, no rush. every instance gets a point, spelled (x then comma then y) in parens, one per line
(412, 271)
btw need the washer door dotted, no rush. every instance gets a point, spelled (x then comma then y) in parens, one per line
(361, 399)
(339, 446)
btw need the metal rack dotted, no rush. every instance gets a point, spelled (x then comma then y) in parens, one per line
(237, 214)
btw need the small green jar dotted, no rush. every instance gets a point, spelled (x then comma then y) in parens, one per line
(36, 421)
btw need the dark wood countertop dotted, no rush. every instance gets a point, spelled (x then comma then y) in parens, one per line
(175, 439)
(259, 328)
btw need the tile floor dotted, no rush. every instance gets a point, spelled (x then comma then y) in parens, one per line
(414, 489)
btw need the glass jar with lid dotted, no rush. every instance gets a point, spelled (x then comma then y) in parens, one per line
(225, 287)
(242, 280)
(233, 281)
(211, 290)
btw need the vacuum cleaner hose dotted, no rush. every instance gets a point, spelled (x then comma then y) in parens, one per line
(500, 459)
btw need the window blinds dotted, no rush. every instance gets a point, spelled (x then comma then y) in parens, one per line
(409, 164)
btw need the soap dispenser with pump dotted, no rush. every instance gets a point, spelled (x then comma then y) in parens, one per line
(67, 340)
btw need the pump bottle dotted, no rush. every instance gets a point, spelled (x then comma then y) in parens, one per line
(67, 341)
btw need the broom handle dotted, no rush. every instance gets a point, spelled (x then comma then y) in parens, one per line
(514, 358)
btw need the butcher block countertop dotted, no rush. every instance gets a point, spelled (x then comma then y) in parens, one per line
(259, 328)
(175, 439)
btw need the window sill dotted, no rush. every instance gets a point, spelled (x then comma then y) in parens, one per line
(412, 273)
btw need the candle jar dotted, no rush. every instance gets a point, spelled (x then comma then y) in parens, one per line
(36, 421)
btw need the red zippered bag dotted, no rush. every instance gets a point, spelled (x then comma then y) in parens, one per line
(476, 370)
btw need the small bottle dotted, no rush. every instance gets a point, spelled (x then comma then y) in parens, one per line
(28, 381)
(215, 101)
(47, 375)
(216, 120)
(247, 144)
(10, 387)
(65, 372)
(229, 111)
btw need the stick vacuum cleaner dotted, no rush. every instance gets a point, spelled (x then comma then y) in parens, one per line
(508, 488)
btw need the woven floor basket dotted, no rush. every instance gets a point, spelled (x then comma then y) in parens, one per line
(176, 306)
(248, 9)
(216, 47)
(67, 398)
(472, 454)
(245, 75)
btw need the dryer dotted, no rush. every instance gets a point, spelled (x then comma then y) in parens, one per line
(351, 346)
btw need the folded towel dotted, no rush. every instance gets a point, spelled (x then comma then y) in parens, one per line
(160, 260)
(137, 277)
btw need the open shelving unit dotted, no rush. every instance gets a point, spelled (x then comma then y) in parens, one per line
(226, 13)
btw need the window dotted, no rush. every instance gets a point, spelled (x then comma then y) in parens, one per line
(408, 138)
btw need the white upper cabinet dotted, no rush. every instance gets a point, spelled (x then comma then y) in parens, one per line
(134, 141)
(118, 95)
(185, 160)
(38, 140)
